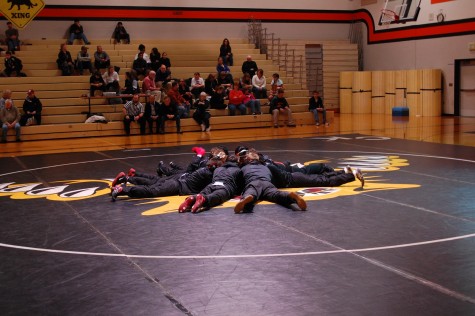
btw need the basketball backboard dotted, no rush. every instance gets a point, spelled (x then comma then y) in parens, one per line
(403, 10)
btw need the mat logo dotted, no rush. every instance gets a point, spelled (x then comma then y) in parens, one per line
(72, 190)
(21, 12)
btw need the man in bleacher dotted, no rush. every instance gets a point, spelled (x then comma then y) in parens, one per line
(13, 66)
(31, 109)
(149, 86)
(249, 66)
(83, 61)
(134, 112)
(10, 118)
(11, 38)
(101, 59)
(76, 31)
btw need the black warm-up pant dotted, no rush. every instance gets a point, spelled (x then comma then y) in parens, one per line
(330, 179)
(144, 179)
(168, 187)
(266, 191)
(216, 194)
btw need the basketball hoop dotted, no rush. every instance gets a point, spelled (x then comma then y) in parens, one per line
(388, 17)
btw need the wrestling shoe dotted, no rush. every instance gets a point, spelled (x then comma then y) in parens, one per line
(359, 175)
(299, 200)
(200, 151)
(174, 165)
(131, 172)
(120, 178)
(159, 168)
(200, 201)
(186, 205)
(242, 204)
(348, 169)
(116, 192)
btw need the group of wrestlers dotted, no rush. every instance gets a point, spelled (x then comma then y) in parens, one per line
(215, 177)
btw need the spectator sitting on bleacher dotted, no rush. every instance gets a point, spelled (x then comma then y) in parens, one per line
(134, 112)
(76, 31)
(175, 97)
(202, 115)
(101, 59)
(83, 61)
(139, 66)
(221, 67)
(121, 33)
(249, 66)
(279, 105)
(184, 90)
(131, 84)
(151, 113)
(236, 98)
(31, 109)
(197, 85)
(144, 54)
(13, 66)
(65, 61)
(251, 102)
(11, 37)
(259, 85)
(163, 76)
(96, 83)
(245, 82)
(7, 94)
(169, 111)
(225, 81)
(10, 118)
(155, 59)
(164, 60)
(210, 84)
(217, 99)
(315, 105)
(276, 85)
(111, 78)
(226, 53)
(149, 86)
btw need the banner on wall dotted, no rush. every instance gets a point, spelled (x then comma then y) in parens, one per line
(21, 12)
(439, 1)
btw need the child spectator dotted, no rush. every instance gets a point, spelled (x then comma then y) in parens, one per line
(13, 66)
(184, 90)
(139, 66)
(217, 99)
(197, 85)
(276, 85)
(32, 109)
(279, 105)
(236, 98)
(251, 102)
(315, 105)
(96, 83)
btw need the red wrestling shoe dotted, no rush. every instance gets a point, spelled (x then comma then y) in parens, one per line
(116, 192)
(118, 179)
(200, 200)
(186, 205)
(200, 151)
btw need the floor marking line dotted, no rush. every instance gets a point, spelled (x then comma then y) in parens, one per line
(423, 209)
(387, 267)
(292, 254)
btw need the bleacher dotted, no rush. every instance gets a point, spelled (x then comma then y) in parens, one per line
(64, 110)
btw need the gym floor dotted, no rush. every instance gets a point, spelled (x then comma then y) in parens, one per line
(402, 245)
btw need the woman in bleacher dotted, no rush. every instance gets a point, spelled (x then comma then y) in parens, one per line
(226, 53)
(236, 98)
(210, 84)
(64, 61)
(202, 115)
(155, 59)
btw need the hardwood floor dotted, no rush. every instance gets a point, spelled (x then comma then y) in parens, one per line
(444, 130)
